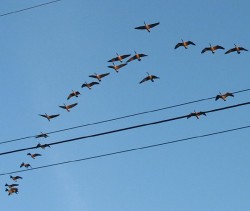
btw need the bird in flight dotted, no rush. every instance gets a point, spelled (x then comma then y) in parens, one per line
(147, 26)
(34, 155)
(117, 67)
(89, 85)
(49, 117)
(43, 146)
(68, 107)
(136, 56)
(237, 49)
(12, 190)
(99, 76)
(11, 186)
(119, 57)
(212, 48)
(149, 77)
(42, 135)
(224, 96)
(15, 178)
(196, 114)
(73, 94)
(26, 165)
(184, 44)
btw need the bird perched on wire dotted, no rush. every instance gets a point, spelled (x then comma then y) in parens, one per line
(15, 178)
(12, 190)
(137, 56)
(26, 165)
(212, 48)
(237, 49)
(196, 114)
(33, 155)
(49, 117)
(42, 135)
(73, 94)
(43, 146)
(11, 185)
(68, 107)
(185, 44)
(149, 77)
(119, 57)
(117, 67)
(99, 76)
(224, 96)
(147, 26)
(89, 85)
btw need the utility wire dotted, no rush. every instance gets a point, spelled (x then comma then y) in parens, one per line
(121, 117)
(29, 8)
(126, 128)
(130, 150)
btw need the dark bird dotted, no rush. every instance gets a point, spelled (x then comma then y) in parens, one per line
(184, 44)
(196, 114)
(15, 178)
(68, 107)
(89, 86)
(33, 155)
(224, 96)
(73, 94)
(149, 77)
(11, 185)
(48, 117)
(237, 49)
(43, 146)
(212, 48)
(117, 67)
(119, 57)
(99, 76)
(42, 135)
(12, 190)
(136, 56)
(26, 165)
(147, 26)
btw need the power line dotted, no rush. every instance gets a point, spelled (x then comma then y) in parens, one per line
(29, 8)
(124, 129)
(130, 150)
(121, 117)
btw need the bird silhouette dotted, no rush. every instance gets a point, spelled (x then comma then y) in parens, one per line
(89, 85)
(224, 96)
(185, 44)
(49, 117)
(26, 165)
(15, 178)
(136, 56)
(42, 135)
(119, 57)
(33, 155)
(43, 146)
(117, 67)
(99, 76)
(68, 107)
(12, 190)
(11, 185)
(196, 114)
(212, 48)
(149, 77)
(73, 94)
(237, 49)
(147, 26)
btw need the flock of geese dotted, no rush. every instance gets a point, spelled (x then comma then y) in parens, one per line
(13, 188)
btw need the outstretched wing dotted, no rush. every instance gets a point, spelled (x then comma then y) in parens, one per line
(242, 49)
(153, 24)
(144, 79)
(53, 116)
(218, 47)
(178, 45)
(205, 49)
(190, 43)
(131, 58)
(72, 105)
(140, 27)
(231, 50)
(104, 74)
(93, 83)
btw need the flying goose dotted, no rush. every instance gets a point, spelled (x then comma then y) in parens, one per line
(68, 107)
(149, 77)
(224, 96)
(237, 49)
(99, 76)
(73, 94)
(119, 57)
(196, 114)
(48, 117)
(117, 67)
(136, 56)
(212, 48)
(89, 85)
(184, 44)
(147, 26)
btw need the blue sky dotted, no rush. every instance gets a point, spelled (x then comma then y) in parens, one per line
(50, 50)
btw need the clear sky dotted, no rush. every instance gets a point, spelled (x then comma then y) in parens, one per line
(48, 51)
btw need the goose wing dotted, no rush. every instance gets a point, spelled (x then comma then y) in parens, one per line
(72, 105)
(144, 79)
(231, 50)
(178, 45)
(190, 43)
(93, 83)
(205, 49)
(218, 47)
(131, 58)
(104, 74)
(53, 116)
(140, 27)
(242, 49)
(153, 24)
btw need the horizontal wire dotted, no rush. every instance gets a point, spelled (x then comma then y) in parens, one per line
(124, 129)
(129, 150)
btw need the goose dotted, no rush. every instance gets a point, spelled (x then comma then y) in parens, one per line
(26, 165)
(237, 49)
(15, 178)
(11, 185)
(48, 117)
(149, 77)
(33, 155)
(73, 94)
(224, 96)
(12, 190)
(68, 107)
(147, 26)
(184, 44)
(99, 76)
(89, 85)
(136, 56)
(43, 146)
(196, 114)
(212, 48)
(42, 135)
(119, 57)
(117, 67)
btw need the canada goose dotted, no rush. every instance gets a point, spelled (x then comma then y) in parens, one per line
(196, 114)
(11, 185)
(42, 135)
(212, 48)
(68, 107)
(149, 77)
(99, 76)
(136, 56)
(43, 146)
(26, 165)
(33, 155)
(224, 96)
(147, 26)
(72, 94)
(236, 48)
(89, 85)
(12, 190)
(48, 117)
(117, 67)
(119, 57)
(184, 44)
(15, 178)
